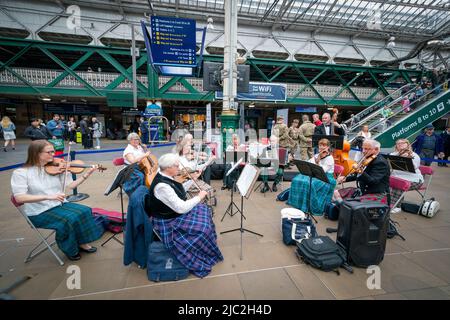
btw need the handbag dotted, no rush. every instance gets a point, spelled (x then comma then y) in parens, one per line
(162, 265)
(296, 226)
(58, 144)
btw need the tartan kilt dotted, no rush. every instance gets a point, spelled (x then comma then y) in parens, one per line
(74, 225)
(377, 197)
(321, 193)
(192, 238)
(396, 193)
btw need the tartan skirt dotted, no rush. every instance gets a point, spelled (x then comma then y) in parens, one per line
(192, 238)
(377, 197)
(321, 193)
(74, 225)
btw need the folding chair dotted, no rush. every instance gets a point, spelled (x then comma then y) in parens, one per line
(118, 161)
(399, 184)
(426, 171)
(44, 241)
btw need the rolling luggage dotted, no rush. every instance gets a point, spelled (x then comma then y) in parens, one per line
(362, 231)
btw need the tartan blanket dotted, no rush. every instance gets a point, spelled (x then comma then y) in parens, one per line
(74, 225)
(192, 238)
(321, 193)
(396, 193)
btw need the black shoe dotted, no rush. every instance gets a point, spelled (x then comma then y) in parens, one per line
(265, 188)
(91, 250)
(224, 187)
(4, 149)
(75, 257)
(274, 187)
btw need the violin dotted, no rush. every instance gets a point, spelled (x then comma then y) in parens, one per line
(58, 166)
(184, 175)
(407, 153)
(362, 164)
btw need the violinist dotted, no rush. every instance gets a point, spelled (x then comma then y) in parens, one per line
(403, 149)
(44, 201)
(321, 192)
(185, 226)
(134, 152)
(188, 162)
(372, 178)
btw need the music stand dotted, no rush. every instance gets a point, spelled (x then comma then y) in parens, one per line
(120, 178)
(245, 185)
(234, 156)
(232, 204)
(336, 142)
(400, 163)
(311, 170)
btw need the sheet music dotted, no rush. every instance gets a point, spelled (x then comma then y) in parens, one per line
(247, 179)
(234, 166)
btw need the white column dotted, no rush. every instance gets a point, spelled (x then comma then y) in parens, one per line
(230, 54)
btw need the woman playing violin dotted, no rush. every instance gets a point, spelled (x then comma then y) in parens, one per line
(44, 201)
(403, 149)
(321, 192)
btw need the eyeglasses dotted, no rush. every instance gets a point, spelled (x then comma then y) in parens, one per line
(49, 152)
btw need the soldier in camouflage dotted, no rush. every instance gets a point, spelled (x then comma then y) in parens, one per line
(306, 131)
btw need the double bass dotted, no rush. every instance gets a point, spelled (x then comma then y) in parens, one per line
(149, 165)
(341, 157)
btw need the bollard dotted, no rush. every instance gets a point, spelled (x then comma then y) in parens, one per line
(75, 197)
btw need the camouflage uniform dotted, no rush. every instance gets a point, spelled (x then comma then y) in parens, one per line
(305, 140)
(281, 131)
(294, 134)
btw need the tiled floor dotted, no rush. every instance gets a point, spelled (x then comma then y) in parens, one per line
(418, 268)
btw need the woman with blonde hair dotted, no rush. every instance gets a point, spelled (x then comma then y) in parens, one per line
(7, 127)
(403, 149)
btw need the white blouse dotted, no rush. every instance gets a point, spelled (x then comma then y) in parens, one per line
(35, 181)
(136, 152)
(409, 176)
(326, 163)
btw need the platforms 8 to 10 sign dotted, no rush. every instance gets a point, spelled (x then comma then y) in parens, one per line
(173, 41)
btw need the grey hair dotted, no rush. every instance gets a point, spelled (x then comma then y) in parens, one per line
(133, 135)
(168, 160)
(375, 144)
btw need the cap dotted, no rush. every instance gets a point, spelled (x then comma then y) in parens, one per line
(429, 126)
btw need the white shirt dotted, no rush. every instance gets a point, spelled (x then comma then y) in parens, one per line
(367, 135)
(35, 181)
(409, 176)
(326, 163)
(136, 152)
(327, 129)
(169, 197)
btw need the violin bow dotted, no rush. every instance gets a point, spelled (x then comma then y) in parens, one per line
(189, 175)
(65, 171)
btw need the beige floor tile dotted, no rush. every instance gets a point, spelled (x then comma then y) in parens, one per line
(426, 294)
(415, 240)
(440, 234)
(436, 262)
(270, 284)
(209, 288)
(399, 274)
(308, 283)
(390, 296)
(347, 285)
(151, 292)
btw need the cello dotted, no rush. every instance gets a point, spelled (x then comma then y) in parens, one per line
(149, 165)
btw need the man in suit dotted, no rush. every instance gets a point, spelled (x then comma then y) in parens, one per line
(373, 182)
(329, 128)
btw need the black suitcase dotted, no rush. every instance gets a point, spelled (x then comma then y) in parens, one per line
(217, 171)
(89, 142)
(362, 231)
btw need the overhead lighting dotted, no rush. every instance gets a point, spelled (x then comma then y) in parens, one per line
(83, 100)
(45, 98)
(391, 42)
(251, 105)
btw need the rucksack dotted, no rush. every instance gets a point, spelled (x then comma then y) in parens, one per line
(331, 211)
(323, 253)
(162, 265)
(392, 230)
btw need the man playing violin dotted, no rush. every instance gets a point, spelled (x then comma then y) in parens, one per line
(44, 201)
(372, 177)
(185, 225)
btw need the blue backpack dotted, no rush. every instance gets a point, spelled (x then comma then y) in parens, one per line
(284, 195)
(162, 265)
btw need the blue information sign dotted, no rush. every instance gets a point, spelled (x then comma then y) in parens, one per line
(261, 92)
(306, 109)
(172, 41)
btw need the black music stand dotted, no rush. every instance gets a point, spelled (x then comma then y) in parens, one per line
(311, 170)
(263, 163)
(120, 178)
(245, 187)
(336, 142)
(235, 156)
(400, 163)
(232, 205)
